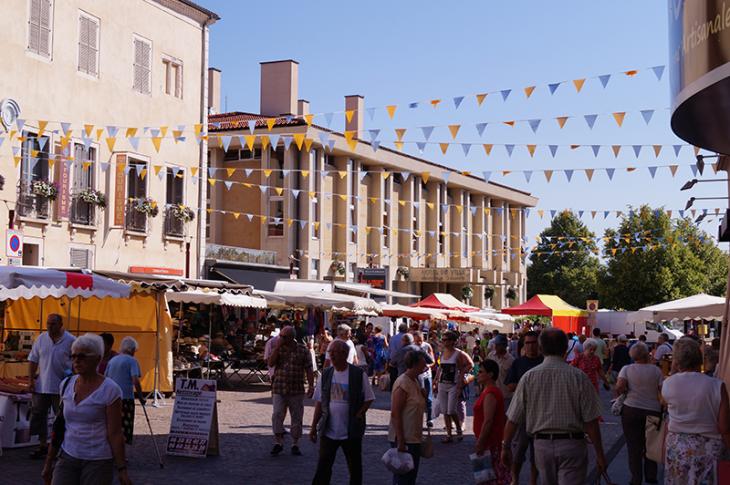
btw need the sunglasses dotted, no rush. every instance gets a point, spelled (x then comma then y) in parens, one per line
(79, 356)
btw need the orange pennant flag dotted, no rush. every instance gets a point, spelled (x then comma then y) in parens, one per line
(198, 128)
(299, 139)
(251, 139)
(425, 176)
(99, 132)
(509, 123)
(264, 142)
(657, 150)
(630, 169)
(506, 172)
(270, 122)
(574, 147)
(156, 169)
(531, 149)
(444, 147)
(163, 131)
(697, 151)
(578, 83)
(488, 148)
(308, 144)
(110, 141)
(156, 141)
(561, 121)
(673, 169)
(481, 98)
(41, 127)
(616, 149)
(391, 110)
(131, 132)
(89, 129)
(16, 161)
(548, 175)
(631, 73)
(399, 133)
(194, 171)
(230, 172)
(435, 102)
(593, 214)
(349, 114)
(589, 173)
(309, 118)
(454, 129)
(143, 173)
(529, 90)
(619, 117)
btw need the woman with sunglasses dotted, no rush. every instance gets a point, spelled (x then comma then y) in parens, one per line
(489, 420)
(93, 443)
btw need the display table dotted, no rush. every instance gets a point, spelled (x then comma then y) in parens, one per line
(14, 369)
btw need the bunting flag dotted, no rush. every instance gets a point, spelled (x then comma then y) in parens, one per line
(578, 83)
(561, 121)
(454, 129)
(529, 90)
(590, 120)
(619, 117)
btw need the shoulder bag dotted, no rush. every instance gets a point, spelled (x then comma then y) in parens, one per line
(58, 430)
(656, 430)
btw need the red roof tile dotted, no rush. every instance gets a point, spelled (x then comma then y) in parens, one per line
(239, 120)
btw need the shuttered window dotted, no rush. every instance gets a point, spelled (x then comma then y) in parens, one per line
(40, 27)
(142, 65)
(80, 258)
(88, 45)
(173, 76)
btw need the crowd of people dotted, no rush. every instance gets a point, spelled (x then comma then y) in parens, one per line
(538, 399)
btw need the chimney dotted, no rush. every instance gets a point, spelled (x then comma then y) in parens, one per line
(356, 103)
(302, 107)
(279, 87)
(214, 90)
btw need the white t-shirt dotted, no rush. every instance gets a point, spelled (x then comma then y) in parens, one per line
(643, 382)
(426, 347)
(693, 403)
(574, 348)
(339, 402)
(662, 350)
(361, 360)
(350, 356)
(86, 437)
(53, 360)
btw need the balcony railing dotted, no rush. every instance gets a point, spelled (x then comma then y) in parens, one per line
(30, 204)
(135, 221)
(83, 213)
(174, 227)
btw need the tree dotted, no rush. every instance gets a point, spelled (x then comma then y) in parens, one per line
(563, 263)
(651, 259)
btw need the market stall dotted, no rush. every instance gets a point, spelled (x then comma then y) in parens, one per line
(564, 316)
(695, 307)
(444, 301)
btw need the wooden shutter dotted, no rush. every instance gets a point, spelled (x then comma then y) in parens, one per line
(142, 64)
(34, 26)
(93, 48)
(83, 44)
(44, 47)
(80, 258)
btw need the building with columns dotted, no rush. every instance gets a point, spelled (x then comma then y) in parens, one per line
(294, 198)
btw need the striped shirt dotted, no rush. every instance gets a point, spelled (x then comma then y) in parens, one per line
(554, 398)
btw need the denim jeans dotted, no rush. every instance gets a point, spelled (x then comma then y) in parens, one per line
(414, 449)
(427, 386)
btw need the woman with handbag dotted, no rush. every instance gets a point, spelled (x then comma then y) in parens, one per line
(641, 383)
(489, 421)
(699, 419)
(91, 424)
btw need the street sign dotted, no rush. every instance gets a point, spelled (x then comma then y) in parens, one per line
(375, 277)
(14, 244)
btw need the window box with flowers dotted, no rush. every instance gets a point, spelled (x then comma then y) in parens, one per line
(176, 216)
(45, 189)
(84, 204)
(139, 210)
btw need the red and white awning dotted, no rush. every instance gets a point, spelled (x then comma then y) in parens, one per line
(27, 282)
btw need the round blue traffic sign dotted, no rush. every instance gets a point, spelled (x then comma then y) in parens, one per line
(14, 243)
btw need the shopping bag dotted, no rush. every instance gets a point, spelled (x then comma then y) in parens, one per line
(656, 429)
(384, 382)
(482, 467)
(617, 405)
(427, 445)
(398, 462)
(435, 409)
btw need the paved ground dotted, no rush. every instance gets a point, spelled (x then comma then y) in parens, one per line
(245, 419)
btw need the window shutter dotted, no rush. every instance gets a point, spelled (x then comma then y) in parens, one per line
(84, 44)
(34, 26)
(45, 28)
(142, 61)
(80, 258)
(93, 47)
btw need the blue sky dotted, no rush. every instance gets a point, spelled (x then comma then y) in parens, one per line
(405, 51)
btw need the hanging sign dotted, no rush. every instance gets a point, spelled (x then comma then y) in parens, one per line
(120, 188)
(192, 416)
(375, 277)
(14, 244)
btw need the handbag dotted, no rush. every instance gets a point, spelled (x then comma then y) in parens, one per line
(482, 467)
(58, 429)
(656, 430)
(398, 462)
(427, 445)
(617, 405)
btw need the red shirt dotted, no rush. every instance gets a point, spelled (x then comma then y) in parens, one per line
(497, 429)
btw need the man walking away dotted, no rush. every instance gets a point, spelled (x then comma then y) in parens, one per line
(396, 342)
(342, 397)
(558, 405)
(50, 363)
(292, 363)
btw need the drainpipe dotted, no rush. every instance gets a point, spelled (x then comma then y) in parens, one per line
(203, 166)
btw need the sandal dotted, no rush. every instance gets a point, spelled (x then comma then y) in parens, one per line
(447, 439)
(459, 435)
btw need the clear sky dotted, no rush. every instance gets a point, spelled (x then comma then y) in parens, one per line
(397, 52)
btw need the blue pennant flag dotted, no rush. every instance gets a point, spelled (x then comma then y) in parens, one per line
(228, 184)
(105, 167)
(252, 126)
(33, 163)
(677, 148)
(534, 124)
(652, 171)
(446, 175)
(605, 214)
(694, 169)
(2, 139)
(416, 205)
(487, 174)
(658, 71)
(647, 114)
(331, 145)
(427, 130)
(211, 172)
(274, 139)
(604, 79)
(139, 167)
(509, 149)
(42, 142)
(263, 188)
(375, 145)
(580, 214)
(112, 131)
(374, 134)
(134, 142)
(637, 149)
(553, 149)
(328, 119)
(20, 123)
(413, 105)
(499, 213)
(65, 127)
(553, 87)
(302, 224)
(657, 213)
(528, 175)
(371, 113)
(288, 118)
(466, 147)
(527, 214)
(323, 138)
(457, 101)
(87, 141)
(473, 210)
(569, 174)
(421, 146)
(505, 94)
(681, 213)
(287, 139)
(590, 120)
(127, 169)
(596, 149)
(226, 140)
(552, 213)
(480, 128)
(444, 207)
(362, 175)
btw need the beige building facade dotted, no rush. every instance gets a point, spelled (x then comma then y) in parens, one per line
(108, 96)
(325, 205)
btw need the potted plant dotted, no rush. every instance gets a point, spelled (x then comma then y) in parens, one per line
(45, 189)
(403, 272)
(92, 197)
(511, 293)
(338, 267)
(466, 293)
(146, 205)
(488, 292)
(182, 213)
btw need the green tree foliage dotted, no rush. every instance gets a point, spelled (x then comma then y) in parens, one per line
(563, 263)
(651, 259)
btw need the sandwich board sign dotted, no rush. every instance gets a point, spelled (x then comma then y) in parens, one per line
(192, 418)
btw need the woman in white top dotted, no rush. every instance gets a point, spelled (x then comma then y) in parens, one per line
(93, 443)
(699, 419)
(641, 382)
(426, 378)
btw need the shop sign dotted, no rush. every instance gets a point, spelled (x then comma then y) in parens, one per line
(374, 277)
(153, 270)
(441, 275)
(192, 417)
(120, 188)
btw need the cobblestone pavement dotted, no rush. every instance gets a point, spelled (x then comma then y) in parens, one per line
(245, 439)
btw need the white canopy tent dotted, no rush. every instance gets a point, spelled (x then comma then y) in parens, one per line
(368, 290)
(215, 298)
(320, 299)
(695, 306)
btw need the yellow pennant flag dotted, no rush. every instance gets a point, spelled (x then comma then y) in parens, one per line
(402, 203)
(279, 190)
(312, 195)
(488, 148)
(425, 176)
(230, 172)
(34, 153)
(352, 144)
(156, 141)
(110, 141)
(163, 131)
(454, 129)
(52, 162)
(342, 174)
(131, 132)
(99, 132)
(89, 129)
(529, 90)
(373, 199)
(247, 185)
(398, 145)
(487, 210)
(589, 173)
(548, 175)
(267, 172)
(156, 169)
(673, 169)
(143, 173)
(657, 150)
(593, 215)
(386, 175)
(531, 149)
(481, 98)
(308, 144)
(430, 205)
(342, 196)
(435, 102)
(616, 149)
(236, 215)
(466, 173)
(308, 119)
(459, 208)
(540, 213)
(305, 173)
(264, 142)
(348, 114)
(12, 134)
(561, 121)
(399, 133)
(619, 117)
(65, 142)
(349, 135)
(270, 122)
(251, 139)
(391, 110)
(194, 171)
(578, 83)
(509, 123)
(41, 127)
(444, 147)
(177, 134)
(316, 225)
(198, 128)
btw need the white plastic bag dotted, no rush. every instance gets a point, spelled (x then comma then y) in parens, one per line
(398, 462)
(435, 408)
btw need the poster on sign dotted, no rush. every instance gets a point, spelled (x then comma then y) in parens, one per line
(191, 417)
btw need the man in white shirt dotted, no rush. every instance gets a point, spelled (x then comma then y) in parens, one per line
(574, 348)
(663, 347)
(344, 334)
(343, 396)
(504, 359)
(50, 363)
